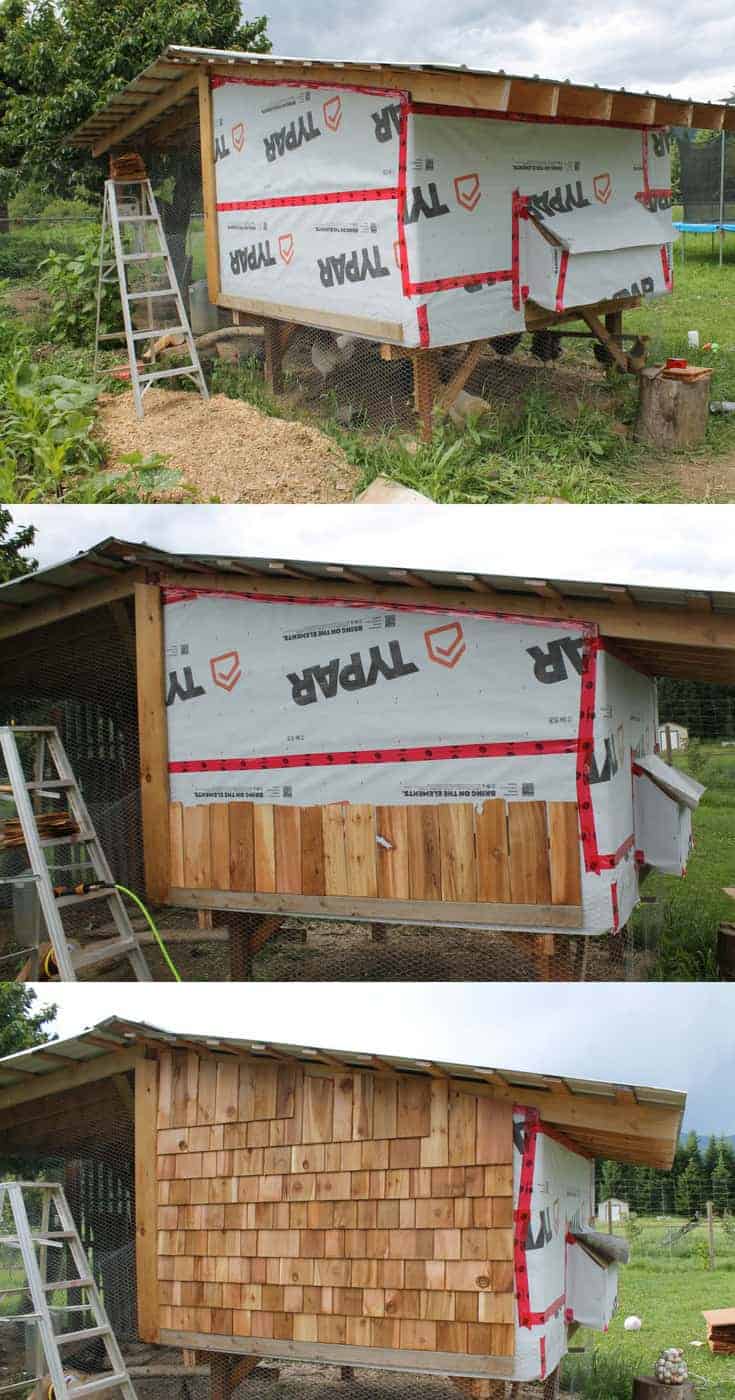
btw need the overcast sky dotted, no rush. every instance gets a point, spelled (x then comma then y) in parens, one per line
(646, 47)
(678, 1036)
(687, 546)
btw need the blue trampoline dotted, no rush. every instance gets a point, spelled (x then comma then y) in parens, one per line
(715, 227)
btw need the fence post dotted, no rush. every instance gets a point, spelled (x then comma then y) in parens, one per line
(609, 1217)
(711, 1234)
(667, 734)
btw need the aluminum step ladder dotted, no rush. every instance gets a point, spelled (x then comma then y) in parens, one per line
(57, 1230)
(52, 900)
(130, 209)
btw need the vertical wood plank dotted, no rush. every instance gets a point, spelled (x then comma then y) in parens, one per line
(462, 1128)
(153, 739)
(457, 849)
(424, 869)
(146, 1261)
(494, 1131)
(392, 825)
(491, 846)
(435, 1147)
(264, 848)
(530, 882)
(385, 1106)
(209, 187)
(197, 864)
(318, 1108)
(414, 1106)
(287, 825)
(335, 866)
(242, 851)
(219, 845)
(566, 876)
(312, 851)
(361, 850)
(176, 840)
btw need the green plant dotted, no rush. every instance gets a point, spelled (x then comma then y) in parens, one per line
(45, 423)
(71, 282)
(141, 480)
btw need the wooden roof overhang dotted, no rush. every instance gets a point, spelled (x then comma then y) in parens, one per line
(685, 633)
(160, 105)
(43, 1089)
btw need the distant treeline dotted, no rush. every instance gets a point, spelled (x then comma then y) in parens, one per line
(707, 711)
(697, 1176)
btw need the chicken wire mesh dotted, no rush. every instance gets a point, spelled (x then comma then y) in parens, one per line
(80, 675)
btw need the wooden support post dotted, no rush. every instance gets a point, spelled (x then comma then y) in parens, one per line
(146, 1201)
(346, 1373)
(153, 733)
(455, 385)
(606, 338)
(273, 355)
(240, 959)
(711, 1233)
(614, 324)
(609, 1217)
(425, 387)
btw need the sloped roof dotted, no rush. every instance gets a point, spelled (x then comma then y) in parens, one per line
(632, 1123)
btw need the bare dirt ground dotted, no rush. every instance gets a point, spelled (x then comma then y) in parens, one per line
(706, 480)
(227, 449)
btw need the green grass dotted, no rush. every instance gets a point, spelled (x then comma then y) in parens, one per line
(682, 925)
(668, 1290)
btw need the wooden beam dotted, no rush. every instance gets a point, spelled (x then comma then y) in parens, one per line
(631, 108)
(651, 624)
(711, 118)
(439, 1363)
(171, 94)
(125, 1093)
(301, 316)
(209, 187)
(455, 385)
(153, 740)
(101, 1067)
(392, 911)
(590, 104)
(605, 338)
(533, 98)
(186, 115)
(146, 1203)
(484, 92)
(75, 600)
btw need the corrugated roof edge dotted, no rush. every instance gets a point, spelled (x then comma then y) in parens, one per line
(120, 555)
(122, 1032)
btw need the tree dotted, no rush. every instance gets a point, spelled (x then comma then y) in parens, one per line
(12, 563)
(59, 62)
(20, 1026)
(720, 1179)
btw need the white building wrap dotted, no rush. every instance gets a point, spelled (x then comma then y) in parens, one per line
(316, 701)
(438, 222)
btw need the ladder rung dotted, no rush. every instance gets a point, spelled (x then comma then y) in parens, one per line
(52, 783)
(63, 900)
(112, 335)
(104, 1383)
(169, 373)
(112, 948)
(59, 1284)
(79, 838)
(161, 330)
(159, 292)
(64, 1338)
(136, 219)
(143, 257)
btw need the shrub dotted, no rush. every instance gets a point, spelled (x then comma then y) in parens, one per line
(45, 423)
(71, 282)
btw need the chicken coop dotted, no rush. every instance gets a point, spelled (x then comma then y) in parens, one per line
(416, 206)
(353, 1209)
(358, 744)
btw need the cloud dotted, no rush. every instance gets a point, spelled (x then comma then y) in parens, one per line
(646, 48)
(675, 1037)
(674, 546)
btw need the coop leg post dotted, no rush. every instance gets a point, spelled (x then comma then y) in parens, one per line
(378, 933)
(226, 1372)
(239, 944)
(346, 1373)
(614, 325)
(273, 356)
(425, 386)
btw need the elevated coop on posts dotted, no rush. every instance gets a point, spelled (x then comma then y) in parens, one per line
(314, 740)
(348, 1208)
(415, 206)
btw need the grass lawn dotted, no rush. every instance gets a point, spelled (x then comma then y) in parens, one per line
(667, 1289)
(681, 926)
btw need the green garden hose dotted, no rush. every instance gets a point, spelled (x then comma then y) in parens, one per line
(164, 950)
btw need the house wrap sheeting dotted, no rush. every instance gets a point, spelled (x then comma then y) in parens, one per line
(306, 703)
(444, 221)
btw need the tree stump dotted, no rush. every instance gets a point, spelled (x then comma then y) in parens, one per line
(647, 1388)
(673, 409)
(726, 952)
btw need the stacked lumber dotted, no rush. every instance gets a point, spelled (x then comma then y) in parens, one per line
(128, 166)
(504, 852)
(721, 1331)
(320, 1204)
(49, 824)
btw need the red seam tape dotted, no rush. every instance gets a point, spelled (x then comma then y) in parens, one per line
(418, 754)
(615, 908)
(296, 200)
(422, 317)
(220, 81)
(563, 265)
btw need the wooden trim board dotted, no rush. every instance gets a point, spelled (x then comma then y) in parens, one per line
(146, 1204)
(357, 325)
(388, 911)
(209, 187)
(432, 1363)
(153, 739)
